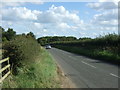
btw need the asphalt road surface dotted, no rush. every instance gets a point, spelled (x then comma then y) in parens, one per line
(85, 72)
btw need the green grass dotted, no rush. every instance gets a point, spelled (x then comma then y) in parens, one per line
(42, 73)
(104, 55)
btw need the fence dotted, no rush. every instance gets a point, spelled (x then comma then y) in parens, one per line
(4, 68)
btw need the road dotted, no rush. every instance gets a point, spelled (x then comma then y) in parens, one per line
(85, 72)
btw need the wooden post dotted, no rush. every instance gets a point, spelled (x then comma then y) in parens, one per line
(9, 64)
(4, 68)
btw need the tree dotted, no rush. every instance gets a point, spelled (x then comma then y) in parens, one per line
(9, 34)
(52, 39)
(23, 34)
(1, 32)
(1, 29)
(31, 34)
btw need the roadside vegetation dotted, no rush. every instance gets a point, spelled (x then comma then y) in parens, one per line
(31, 65)
(105, 48)
(38, 74)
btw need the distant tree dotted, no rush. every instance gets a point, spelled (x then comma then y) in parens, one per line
(51, 39)
(70, 38)
(9, 34)
(6, 35)
(85, 38)
(23, 34)
(31, 34)
(1, 32)
(2, 29)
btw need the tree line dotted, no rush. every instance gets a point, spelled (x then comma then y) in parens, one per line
(55, 39)
(9, 34)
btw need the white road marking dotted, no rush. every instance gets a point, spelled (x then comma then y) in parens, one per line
(114, 75)
(88, 64)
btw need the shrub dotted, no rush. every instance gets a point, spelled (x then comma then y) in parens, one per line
(21, 48)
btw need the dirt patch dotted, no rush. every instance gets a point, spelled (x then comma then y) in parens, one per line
(65, 82)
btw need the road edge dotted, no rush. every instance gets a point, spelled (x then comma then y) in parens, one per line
(65, 81)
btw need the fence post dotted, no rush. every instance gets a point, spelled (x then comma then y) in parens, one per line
(4, 68)
(9, 63)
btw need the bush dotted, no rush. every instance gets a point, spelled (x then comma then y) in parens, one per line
(40, 74)
(21, 48)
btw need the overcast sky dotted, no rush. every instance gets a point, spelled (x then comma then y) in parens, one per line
(79, 19)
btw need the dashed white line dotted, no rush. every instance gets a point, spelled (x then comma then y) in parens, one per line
(88, 64)
(114, 75)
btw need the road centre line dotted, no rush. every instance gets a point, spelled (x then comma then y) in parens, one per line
(85, 63)
(88, 64)
(96, 67)
(114, 75)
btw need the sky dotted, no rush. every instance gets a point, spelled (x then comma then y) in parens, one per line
(78, 19)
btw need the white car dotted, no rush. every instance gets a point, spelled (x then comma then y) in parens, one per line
(48, 47)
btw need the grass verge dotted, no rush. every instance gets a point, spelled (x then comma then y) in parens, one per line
(103, 55)
(42, 73)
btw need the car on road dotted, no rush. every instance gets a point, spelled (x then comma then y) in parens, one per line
(47, 46)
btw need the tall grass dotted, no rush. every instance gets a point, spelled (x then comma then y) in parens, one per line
(40, 74)
(31, 65)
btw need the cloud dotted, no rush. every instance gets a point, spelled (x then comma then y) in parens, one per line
(38, 25)
(58, 14)
(18, 14)
(46, 22)
(52, 15)
(109, 18)
(21, 1)
(102, 5)
(56, 20)
(114, 1)
(15, 3)
(63, 26)
(108, 13)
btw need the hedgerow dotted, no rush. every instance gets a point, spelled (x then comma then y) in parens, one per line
(21, 48)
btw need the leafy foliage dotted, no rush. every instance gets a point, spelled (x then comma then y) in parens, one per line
(50, 39)
(21, 48)
(9, 34)
(39, 74)
(105, 47)
(30, 34)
